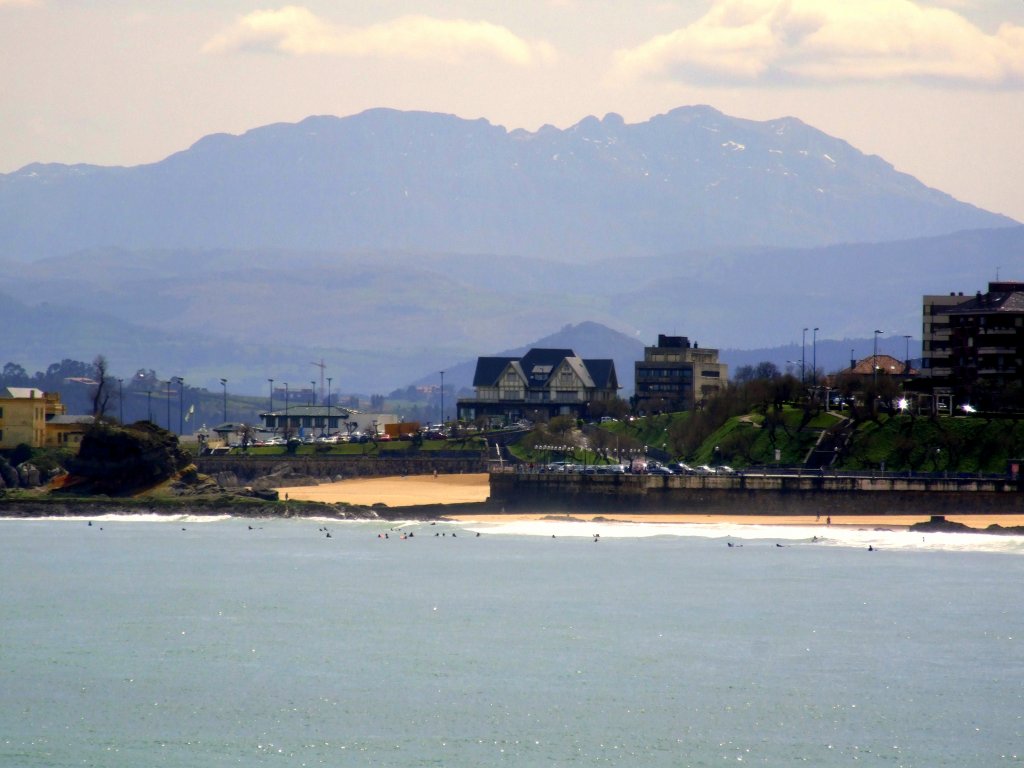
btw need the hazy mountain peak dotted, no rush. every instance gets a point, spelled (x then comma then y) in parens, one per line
(422, 181)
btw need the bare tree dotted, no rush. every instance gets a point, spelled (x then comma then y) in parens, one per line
(247, 432)
(101, 394)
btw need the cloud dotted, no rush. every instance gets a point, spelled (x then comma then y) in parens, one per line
(816, 41)
(296, 31)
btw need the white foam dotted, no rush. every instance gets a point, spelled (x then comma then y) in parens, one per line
(122, 518)
(789, 535)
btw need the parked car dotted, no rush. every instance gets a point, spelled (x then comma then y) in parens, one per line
(724, 469)
(658, 469)
(681, 469)
(704, 469)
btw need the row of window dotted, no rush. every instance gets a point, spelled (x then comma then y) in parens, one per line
(665, 373)
(652, 387)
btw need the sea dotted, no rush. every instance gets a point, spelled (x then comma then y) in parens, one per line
(203, 641)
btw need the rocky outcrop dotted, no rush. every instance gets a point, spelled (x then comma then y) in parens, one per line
(116, 460)
(29, 475)
(8, 474)
(939, 524)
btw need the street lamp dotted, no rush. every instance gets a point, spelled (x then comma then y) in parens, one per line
(179, 381)
(181, 406)
(312, 389)
(874, 359)
(120, 399)
(224, 385)
(814, 358)
(442, 400)
(169, 403)
(906, 338)
(328, 405)
(803, 348)
(271, 409)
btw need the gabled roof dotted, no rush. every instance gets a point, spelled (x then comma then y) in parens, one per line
(538, 365)
(489, 369)
(580, 369)
(603, 373)
(886, 364)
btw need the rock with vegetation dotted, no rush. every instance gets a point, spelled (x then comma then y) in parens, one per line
(122, 459)
(8, 474)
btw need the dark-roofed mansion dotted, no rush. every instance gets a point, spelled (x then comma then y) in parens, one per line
(542, 383)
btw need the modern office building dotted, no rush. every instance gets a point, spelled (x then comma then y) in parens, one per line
(676, 375)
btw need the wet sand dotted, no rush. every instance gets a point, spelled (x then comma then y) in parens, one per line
(421, 490)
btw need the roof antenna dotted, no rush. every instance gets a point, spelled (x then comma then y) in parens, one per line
(997, 274)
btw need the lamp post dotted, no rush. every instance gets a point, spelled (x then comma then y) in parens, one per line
(271, 382)
(312, 389)
(224, 386)
(286, 401)
(442, 400)
(874, 359)
(803, 352)
(120, 399)
(181, 406)
(906, 337)
(328, 405)
(814, 358)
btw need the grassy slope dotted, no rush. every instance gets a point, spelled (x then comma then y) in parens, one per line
(954, 444)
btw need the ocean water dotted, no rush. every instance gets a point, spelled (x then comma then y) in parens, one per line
(202, 642)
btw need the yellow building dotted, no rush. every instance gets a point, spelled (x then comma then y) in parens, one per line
(23, 417)
(67, 431)
(36, 418)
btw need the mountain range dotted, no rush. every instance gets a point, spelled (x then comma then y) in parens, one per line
(392, 245)
(690, 179)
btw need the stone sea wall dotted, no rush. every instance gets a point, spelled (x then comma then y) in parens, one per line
(298, 470)
(767, 495)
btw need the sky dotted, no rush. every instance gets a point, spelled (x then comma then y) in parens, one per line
(936, 87)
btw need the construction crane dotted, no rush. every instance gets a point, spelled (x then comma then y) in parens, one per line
(321, 366)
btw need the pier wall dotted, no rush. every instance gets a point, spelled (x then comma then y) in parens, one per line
(324, 468)
(745, 494)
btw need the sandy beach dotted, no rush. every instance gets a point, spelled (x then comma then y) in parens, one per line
(417, 490)
(399, 491)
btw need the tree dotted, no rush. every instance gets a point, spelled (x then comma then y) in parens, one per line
(561, 426)
(101, 393)
(14, 375)
(247, 433)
